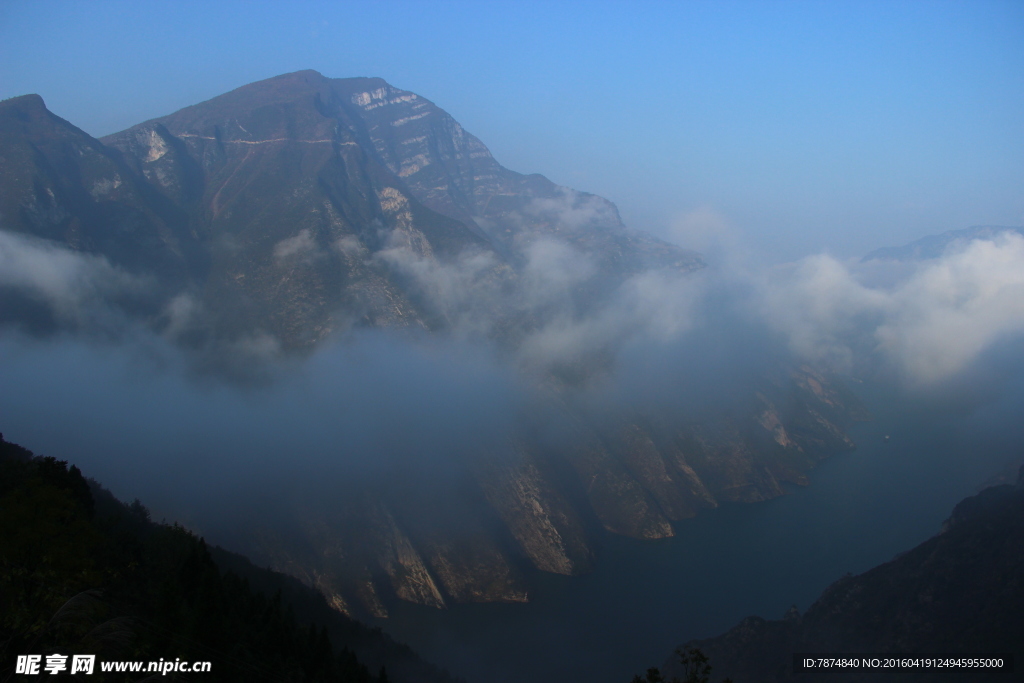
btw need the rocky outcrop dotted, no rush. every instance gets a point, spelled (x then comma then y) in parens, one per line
(453, 173)
(546, 528)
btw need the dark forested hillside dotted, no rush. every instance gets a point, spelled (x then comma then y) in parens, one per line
(82, 573)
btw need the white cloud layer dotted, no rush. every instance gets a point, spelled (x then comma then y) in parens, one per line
(556, 311)
(931, 324)
(927, 321)
(76, 288)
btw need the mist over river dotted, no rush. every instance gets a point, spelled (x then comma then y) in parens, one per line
(645, 598)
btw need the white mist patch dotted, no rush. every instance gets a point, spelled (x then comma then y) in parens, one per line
(552, 269)
(931, 324)
(656, 306)
(951, 310)
(478, 296)
(463, 291)
(181, 313)
(74, 286)
(819, 306)
(573, 210)
(299, 245)
(704, 229)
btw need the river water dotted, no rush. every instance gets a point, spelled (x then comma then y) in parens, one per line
(645, 598)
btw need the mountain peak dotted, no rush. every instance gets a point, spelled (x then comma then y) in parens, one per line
(302, 74)
(23, 106)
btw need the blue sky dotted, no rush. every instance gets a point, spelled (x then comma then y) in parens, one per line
(803, 126)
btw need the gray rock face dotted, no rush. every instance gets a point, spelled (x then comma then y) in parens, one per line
(289, 209)
(548, 531)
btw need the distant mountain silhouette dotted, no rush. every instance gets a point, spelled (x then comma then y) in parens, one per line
(934, 246)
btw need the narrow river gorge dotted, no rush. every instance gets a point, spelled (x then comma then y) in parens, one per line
(644, 598)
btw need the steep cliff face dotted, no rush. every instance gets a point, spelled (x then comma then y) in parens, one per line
(453, 173)
(289, 209)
